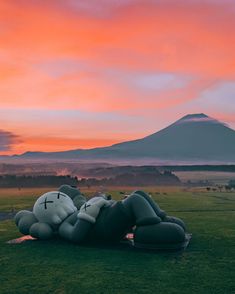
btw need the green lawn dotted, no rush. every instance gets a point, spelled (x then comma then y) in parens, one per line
(207, 266)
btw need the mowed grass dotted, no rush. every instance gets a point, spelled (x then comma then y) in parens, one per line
(207, 266)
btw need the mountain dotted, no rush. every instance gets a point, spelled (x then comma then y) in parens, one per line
(195, 138)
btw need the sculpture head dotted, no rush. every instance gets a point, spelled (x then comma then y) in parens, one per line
(53, 207)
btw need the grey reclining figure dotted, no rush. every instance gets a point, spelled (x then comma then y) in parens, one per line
(67, 213)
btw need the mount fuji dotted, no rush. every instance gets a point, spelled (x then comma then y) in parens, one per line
(195, 138)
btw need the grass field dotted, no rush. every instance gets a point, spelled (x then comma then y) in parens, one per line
(207, 266)
(219, 178)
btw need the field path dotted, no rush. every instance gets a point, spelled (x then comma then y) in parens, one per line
(6, 215)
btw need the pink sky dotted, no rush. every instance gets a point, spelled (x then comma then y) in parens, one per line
(81, 74)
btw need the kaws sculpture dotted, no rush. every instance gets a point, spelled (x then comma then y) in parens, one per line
(67, 213)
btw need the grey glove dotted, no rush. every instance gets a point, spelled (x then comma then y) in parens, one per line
(90, 210)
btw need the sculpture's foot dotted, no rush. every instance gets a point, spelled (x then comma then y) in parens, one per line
(164, 236)
(175, 220)
(74, 194)
(148, 220)
(69, 190)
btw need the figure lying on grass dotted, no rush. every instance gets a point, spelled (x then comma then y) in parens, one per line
(67, 213)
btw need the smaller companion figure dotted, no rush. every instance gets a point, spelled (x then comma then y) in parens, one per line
(67, 213)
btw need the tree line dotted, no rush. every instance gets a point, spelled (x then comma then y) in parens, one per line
(125, 179)
(14, 181)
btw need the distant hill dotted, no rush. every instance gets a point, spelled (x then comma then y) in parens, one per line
(195, 138)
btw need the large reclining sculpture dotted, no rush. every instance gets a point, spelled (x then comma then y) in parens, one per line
(67, 213)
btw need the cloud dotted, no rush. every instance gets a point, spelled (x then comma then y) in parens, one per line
(7, 140)
(160, 81)
(222, 95)
(63, 143)
(66, 60)
(216, 99)
(156, 60)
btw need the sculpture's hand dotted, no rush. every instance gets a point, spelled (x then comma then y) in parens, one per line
(62, 213)
(74, 229)
(90, 210)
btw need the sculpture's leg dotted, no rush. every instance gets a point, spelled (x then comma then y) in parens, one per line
(140, 210)
(154, 205)
(159, 212)
(175, 220)
(161, 234)
(150, 230)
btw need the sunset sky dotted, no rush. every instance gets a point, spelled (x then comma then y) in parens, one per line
(80, 74)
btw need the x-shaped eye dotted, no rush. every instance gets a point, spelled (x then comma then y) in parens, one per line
(86, 205)
(45, 202)
(58, 195)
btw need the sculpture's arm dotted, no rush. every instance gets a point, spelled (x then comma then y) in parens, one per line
(75, 229)
(77, 226)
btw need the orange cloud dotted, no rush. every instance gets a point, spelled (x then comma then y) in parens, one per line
(192, 39)
(57, 56)
(51, 144)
